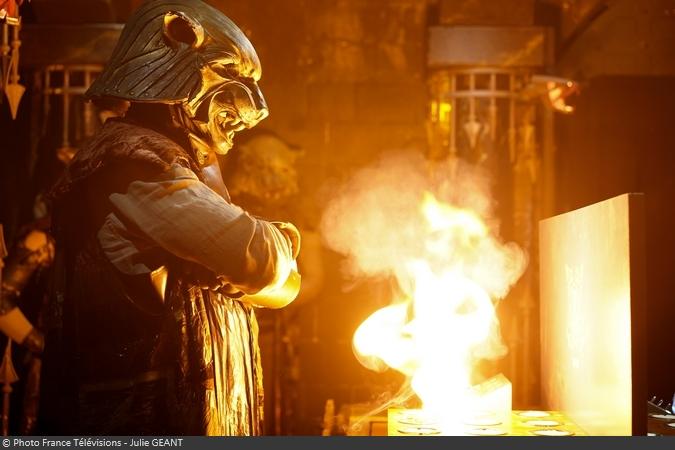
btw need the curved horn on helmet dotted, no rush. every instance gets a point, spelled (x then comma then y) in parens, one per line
(179, 28)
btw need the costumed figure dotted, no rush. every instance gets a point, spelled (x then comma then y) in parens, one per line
(150, 328)
(32, 252)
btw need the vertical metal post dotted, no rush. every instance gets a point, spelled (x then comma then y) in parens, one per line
(512, 119)
(66, 109)
(493, 106)
(6, 386)
(7, 374)
(4, 53)
(453, 116)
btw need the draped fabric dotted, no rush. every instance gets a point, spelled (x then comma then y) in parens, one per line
(219, 353)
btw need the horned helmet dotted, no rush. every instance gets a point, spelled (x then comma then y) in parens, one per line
(188, 55)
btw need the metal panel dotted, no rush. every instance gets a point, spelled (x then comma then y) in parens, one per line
(593, 348)
(488, 46)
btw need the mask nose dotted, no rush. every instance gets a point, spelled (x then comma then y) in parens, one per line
(257, 109)
(245, 98)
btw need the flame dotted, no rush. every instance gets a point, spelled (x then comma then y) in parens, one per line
(437, 332)
(428, 227)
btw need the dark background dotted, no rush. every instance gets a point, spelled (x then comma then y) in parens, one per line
(345, 80)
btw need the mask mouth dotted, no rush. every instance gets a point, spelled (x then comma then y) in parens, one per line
(233, 108)
(230, 120)
(228, 123)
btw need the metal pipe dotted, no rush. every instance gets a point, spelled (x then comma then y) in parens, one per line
(66, 109)
(453, 117)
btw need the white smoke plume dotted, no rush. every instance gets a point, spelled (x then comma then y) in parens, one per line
(374, 219)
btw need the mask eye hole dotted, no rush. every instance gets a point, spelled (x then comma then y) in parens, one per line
(226, 70)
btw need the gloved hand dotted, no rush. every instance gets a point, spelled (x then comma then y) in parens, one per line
(293, 235)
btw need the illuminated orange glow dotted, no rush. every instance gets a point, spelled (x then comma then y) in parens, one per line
(593, 269)
(448, 320)
(444, 110)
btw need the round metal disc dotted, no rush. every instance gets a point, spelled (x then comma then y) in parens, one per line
(486, 431)
(483, 422)
(542, 423)
(552, 432)
(419, 431)
(533, 414)
(663, 416)
(415, 419)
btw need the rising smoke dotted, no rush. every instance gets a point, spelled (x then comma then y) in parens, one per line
(376, 220)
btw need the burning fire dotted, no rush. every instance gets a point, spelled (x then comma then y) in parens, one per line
(451, 267)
